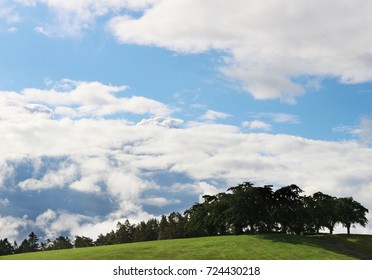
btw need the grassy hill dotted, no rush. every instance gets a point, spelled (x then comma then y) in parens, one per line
(259, 247)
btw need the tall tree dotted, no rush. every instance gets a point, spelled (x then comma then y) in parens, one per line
(290, 212)
(5, 247)
(124, 232)
(241, 207)
(351, 212)
(163, 230)
(33, 242)
(323, 211)
(198, 221)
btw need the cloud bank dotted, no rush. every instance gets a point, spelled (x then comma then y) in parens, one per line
(79, 171)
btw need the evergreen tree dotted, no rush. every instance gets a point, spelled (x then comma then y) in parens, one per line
(62, 243)
(5, 247)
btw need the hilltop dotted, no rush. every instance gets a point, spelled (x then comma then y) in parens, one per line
(255, 247)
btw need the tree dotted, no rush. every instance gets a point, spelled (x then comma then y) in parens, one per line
(290, 209)
(62, 243)
(29, 245)
(24, 247)
(351, 212)
(124, 232)
(241, 210)
(323, 211)
(82, 241)
(152, 229)
(5, 247)
(177, 225)
(33, 242)
(163, 230)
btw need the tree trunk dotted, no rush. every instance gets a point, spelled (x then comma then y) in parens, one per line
(348, 229)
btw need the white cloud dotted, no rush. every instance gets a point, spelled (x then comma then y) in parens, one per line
(8, 13)
(6, 171)
(10, 227)
(268, 44)
(65, 174)
(277, 117)
(72, 17)
(164, 122)
(366, 131)
(159, 201)
(256, 125)
(363, 131)
(75, 99)
(211, 115)
(4, 201)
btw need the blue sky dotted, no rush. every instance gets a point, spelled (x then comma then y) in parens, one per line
(131, 109)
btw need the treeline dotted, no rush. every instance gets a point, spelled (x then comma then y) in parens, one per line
(241, 209)
(248, 209)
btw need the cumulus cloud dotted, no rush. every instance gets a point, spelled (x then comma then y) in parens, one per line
(125, 166)
(275, 50)
(65, 174)
(75, 99)
(160, 121)
(11, 226)
(269, 46)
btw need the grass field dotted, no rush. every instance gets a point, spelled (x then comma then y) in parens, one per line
(254, 247)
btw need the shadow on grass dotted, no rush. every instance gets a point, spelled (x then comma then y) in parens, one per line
(354, 246)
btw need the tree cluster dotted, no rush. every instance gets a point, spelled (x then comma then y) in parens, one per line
(241, 209)
(248, 209)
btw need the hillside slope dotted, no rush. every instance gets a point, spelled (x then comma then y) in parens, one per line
(259, 247)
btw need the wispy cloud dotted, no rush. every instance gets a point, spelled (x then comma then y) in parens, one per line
(276, 117)
(211, 115)
(257, 125)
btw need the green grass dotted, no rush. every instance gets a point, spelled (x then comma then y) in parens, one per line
(254, 247)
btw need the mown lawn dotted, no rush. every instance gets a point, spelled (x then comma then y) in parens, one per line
(253, 247)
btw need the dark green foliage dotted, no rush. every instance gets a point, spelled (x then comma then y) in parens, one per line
(5, 247)
(351, 212)
(124, 233)
(82, 241)
(248, 209)
(62, 243)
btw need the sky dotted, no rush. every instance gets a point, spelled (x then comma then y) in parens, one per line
(129, 109)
